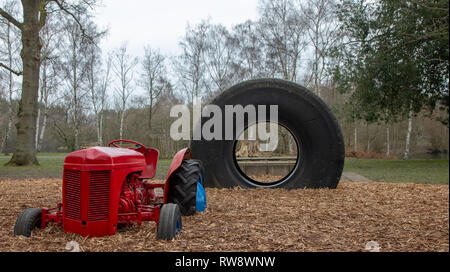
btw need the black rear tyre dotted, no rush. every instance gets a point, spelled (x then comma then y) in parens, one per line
(302, 113)
(183, 186)
(28, 220)
(169, 224)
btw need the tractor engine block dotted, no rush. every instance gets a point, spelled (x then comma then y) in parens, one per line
(135, 192)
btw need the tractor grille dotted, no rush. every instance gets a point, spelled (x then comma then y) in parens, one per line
(98, 195)
(72, 194)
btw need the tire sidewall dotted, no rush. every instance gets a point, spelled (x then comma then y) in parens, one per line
(28, 220)
(167, 222)
(307, 117)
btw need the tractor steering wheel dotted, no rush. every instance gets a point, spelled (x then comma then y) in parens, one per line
(138, 145)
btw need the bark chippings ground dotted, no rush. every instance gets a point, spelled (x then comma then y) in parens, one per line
(399, 217)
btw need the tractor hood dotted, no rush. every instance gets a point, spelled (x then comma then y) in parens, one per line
(105, 157)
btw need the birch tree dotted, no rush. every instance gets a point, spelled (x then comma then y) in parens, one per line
(408, 133)
(190, 66)
(50, 77)
(8, 51)
(98, 83)
(322, 33)
(249, 51)
(283, 29)
(220, 56)
(153, 78)
(123, 68)
(74, 68)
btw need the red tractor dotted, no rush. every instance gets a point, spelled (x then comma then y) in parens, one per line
(108, 187)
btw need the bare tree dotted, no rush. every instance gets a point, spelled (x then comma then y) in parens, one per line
(123, 67)
(49, 78)
(153, 78)
(98, 79)
(190, 66)
(220, 56)
(282, 27)
(48, 91)
(322, 34)
(74, 68)
(250, 51)
(34, 18)
(8, 51)
(98, 92)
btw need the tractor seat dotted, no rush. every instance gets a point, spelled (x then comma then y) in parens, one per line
(151, 160)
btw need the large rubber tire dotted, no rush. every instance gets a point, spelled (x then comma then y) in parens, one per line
(169, 223)
(28, 220)
(306, 116)
(183, 186)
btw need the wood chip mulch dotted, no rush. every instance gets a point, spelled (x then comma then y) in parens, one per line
(399, 217)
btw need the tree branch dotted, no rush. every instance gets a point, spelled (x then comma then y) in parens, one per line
(10, 19)
(66, 10)
(11, 70)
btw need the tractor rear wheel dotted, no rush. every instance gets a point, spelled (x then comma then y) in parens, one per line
(28, 220)
(169, 223)
(183, 186)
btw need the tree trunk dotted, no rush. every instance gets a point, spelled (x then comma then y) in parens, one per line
(36, 137)
(121, 124)
(388, 142)
(44, 125)
(150, 112)
(91, 79)
(355, 141)
(97, 122)
(8, 133)
(25, 151)
(151, 93)
(316, 60)
(77, 133)
(368, 137)
(100, 130)
(4, 146)
(10, 115)
(43, 96)
(44, 120)
(76, 101)
(408, 135)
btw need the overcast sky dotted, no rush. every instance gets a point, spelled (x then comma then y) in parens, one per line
(162, 23)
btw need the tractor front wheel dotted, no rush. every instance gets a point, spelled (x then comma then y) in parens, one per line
(169, 223)
(28, 220)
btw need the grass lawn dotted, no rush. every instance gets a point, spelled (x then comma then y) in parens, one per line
(419, 171)
(49, 167)
(46, 154)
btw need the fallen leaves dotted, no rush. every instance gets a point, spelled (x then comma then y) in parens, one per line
(400, 217)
